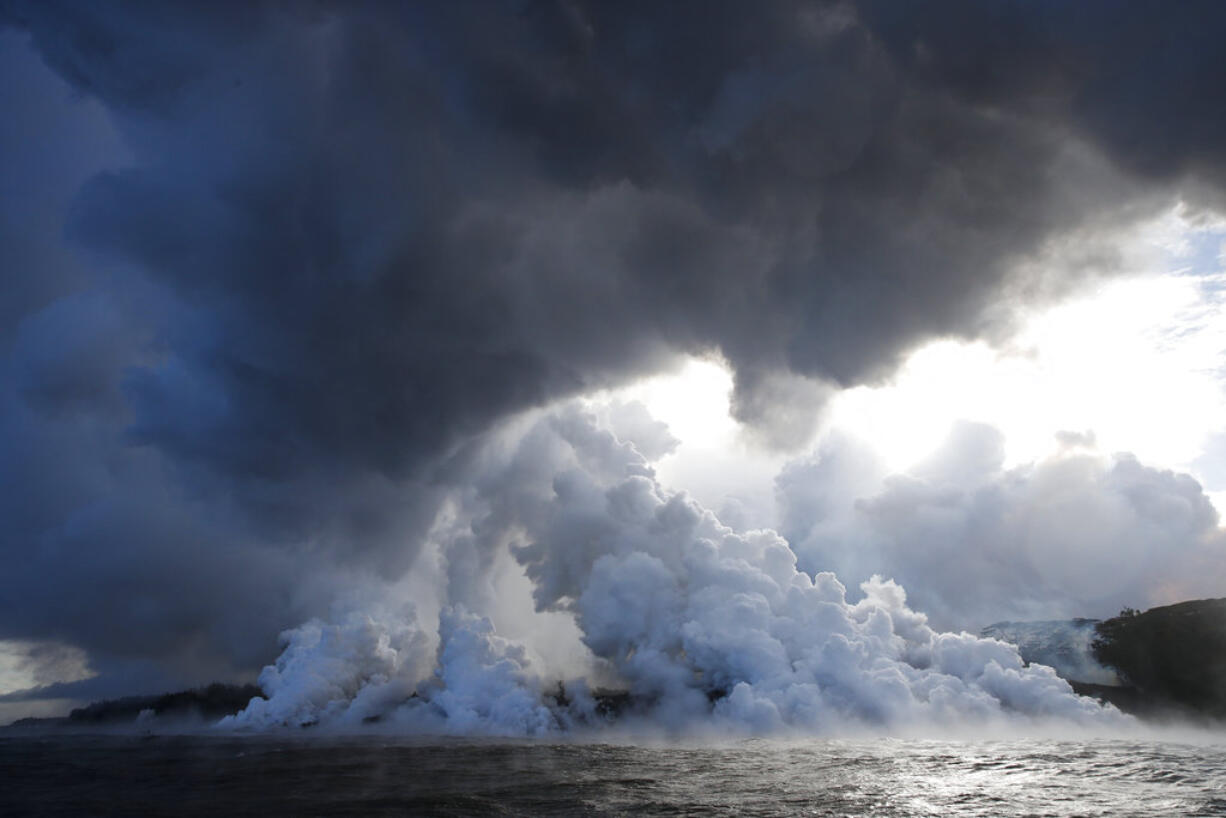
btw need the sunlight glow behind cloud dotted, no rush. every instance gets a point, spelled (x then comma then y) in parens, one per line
(1136, 364)
(692, 401)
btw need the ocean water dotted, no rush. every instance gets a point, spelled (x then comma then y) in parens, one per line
(288, 775)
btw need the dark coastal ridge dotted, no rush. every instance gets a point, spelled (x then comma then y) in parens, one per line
(1170, 662)
(208, 703)
(1166, 662)
(1172, 659)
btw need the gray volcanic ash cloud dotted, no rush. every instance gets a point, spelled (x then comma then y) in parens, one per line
(274, 272)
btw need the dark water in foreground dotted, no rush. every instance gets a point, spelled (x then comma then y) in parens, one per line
(194, 775)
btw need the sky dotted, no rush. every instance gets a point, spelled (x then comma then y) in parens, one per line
(404, 312)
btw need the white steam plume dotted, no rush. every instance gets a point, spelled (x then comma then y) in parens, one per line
(701, 624)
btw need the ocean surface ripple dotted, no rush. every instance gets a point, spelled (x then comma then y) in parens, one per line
(198, 775)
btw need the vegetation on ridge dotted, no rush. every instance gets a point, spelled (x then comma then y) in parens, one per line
(1175, 655)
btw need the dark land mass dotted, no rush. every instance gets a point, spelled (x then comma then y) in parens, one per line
(201, 704)
(1129, 699)
(1172, 659)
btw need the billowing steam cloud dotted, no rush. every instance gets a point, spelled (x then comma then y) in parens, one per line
(275, 272)
(1076, 534)
(699, 622)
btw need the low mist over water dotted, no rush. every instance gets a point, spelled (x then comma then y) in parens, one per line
(197, 775)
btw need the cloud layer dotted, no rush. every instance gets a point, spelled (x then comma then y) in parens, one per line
(273, 272)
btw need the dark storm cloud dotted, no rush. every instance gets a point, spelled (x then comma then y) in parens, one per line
(47, 155)
(341, 240)
(1142, 80)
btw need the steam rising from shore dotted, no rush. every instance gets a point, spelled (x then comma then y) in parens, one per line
(282, 279)
(703, 625)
